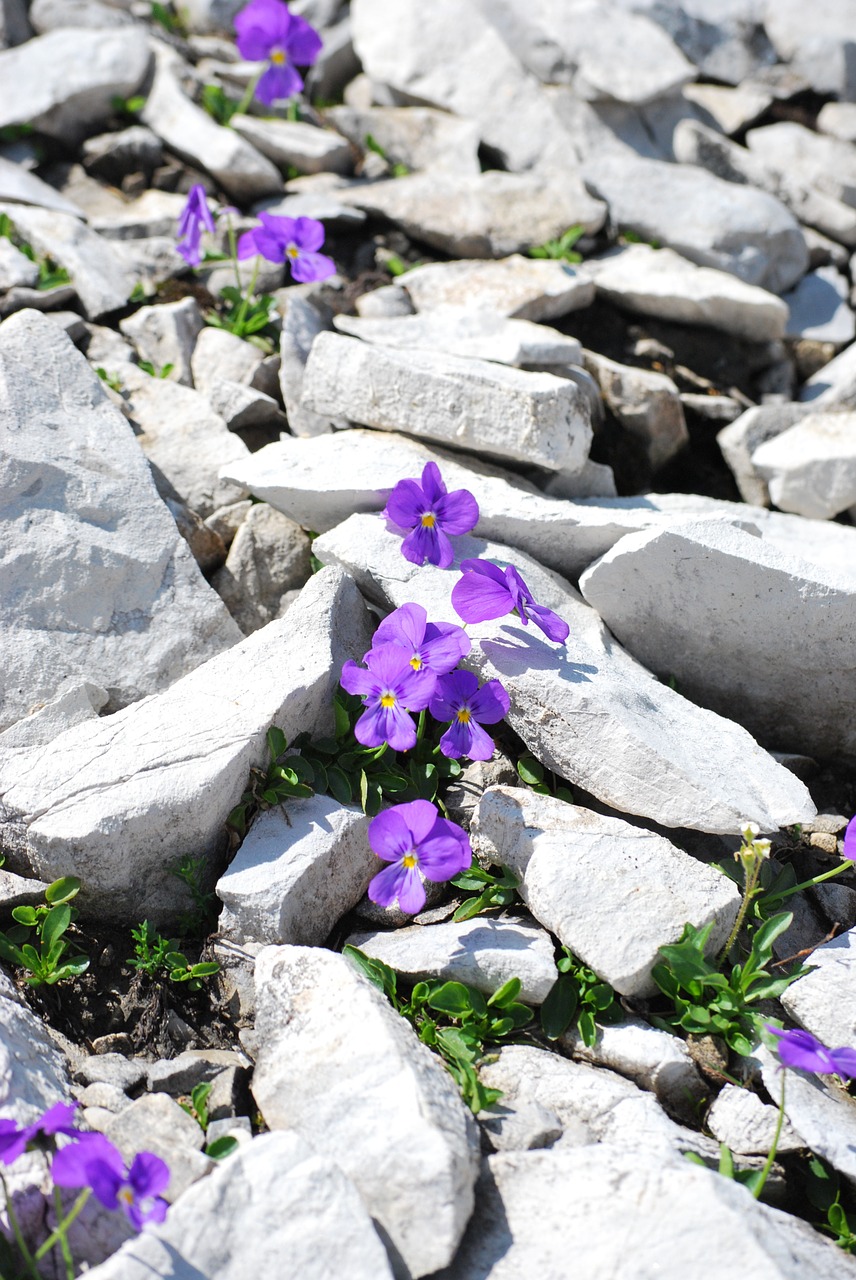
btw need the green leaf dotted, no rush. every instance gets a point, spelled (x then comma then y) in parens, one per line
(11, 953)
(221, 1147)
(726, 1161)
(378, 973)
(452, 998)
(530, 770)
(55, 924)
(341, 718)
(62, 890)
(468, 909)
(452, 1042)
(339, 785)
(277, 743)
(520, 1014)
(587, 1028)
(763, 938)
(25, 915)
(507, 993)
(500, 1027)
(601, 995)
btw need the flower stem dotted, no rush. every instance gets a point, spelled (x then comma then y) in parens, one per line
(249, 94)
(768, 1164)
(27, 1257)
(238, 322)
(748, 893)
(808, 884)
(420, 728)
(59, 1232)
(233, 250)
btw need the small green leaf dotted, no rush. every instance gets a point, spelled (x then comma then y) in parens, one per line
(25, 915)
(55, 924)
(530, 770)
(559, 1007)
(277, 742)
(221, 1147)
(452, 998)
(341, 718)
(587, 1028)
(340, 787)
(62, 890)
(507, 993)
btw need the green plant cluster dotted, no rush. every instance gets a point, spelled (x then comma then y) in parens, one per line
(156, 956)
(823, 1191)
(245, 316)
(561, 250)
(197, 1107)
(37, 941)
(579, 995)
(50, 275)
(454, 1019)
(489, 890)
(531, 771)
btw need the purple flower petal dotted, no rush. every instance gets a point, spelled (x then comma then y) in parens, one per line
(308, 234)
(355, 680)
(303, 42)
(401, 883)
(477, 597)
(148, 1175)
(405, 504)
(311, 266)
(380, 724)
(490, 703)
(405, 626)
(457, 512)
(279, 83)
(411, 891)
(554, 627)
(445, 852)
(450, 694)
(444, 646)
(428, 543)
(432, 484)
(389, 834)
(802, 1050)
(850, 840)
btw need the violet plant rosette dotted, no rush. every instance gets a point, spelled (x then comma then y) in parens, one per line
(267, 31)
(293, 241)
(390, 689)
(432, 514)
(432, 646)
(195, 218)
(95, 1163)
(484, 592)
(459, 699)
(417, 843)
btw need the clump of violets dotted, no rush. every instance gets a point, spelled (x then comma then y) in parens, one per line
(484, 591)
(431, 514)
(431, 646)
(802, 1051)
(196, 217)
(95, 1163)
(419, 845)
(293, 241)
(267, 31)
(459, 699)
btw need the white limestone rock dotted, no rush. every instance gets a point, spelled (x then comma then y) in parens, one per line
(19, 186)
(833, 386)
(130, 610)
(739, 440)
(273, 1200)
(740, 230)
(602, 1206)
(645, 403)
(16, 268)
(820, 1111)
(528, 417)
(155, 1122)
(418, 137)
(483, 953)
(292, 143)
(297, 873)
(824, 1001)
(162, 776)
(166, 334)
(578, 870)
(219, 354)
(486, 215)
(747, 1126)
(839, 120)
(818, 310)
(660, 282)
(810, 469)
(462, 331)
(815, 160)
(515, 287)
(583, 707)
(713, 606)
(269, 557)
(64, 83)
(339, 1066)
(301, 324)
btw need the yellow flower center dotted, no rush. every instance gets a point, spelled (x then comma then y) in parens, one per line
(292, 251)
(428, 520)
(464, 715)
(387, 699)
(277, 57)
(410, 861)
(416, 662)
(125, 1194)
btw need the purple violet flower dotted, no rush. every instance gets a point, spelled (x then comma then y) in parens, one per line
(418, 842)
(432, 646)
(94, 1162)
(431, 514)
(293, 241)
(459, 699)
(268, 31)
(802, 1050)
(14, 1138)
(195, 216)
(484, 591)
(390, 688)
(850, 840)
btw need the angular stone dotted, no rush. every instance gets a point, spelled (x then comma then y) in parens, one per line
(113, 1069)
(301, 324)
(820, 1111)
(833, 386)
(329, 1047)
(659, 282)
(220, 354)
(242, 171)
(515, 287)
(269, 556)
(707, 580)
(537, 1209)
(75, 701)
(162, 776)
(102, 279)
(717, 224)
(645, 403)
(180, 1075)
(810, 469)
(818, 310)
(529, 417)
(824, 1001)
(157, 1123)
(489, 215)
(296, 874)
(14, 24)
(732, 109)
(681, 766)
(826, 163)
(244, 409)
(577, 869)
(76, 485)
(132, 150)
(747, 1126)
(16, 268)
(166, 334)
(481, 335)
(838, 119)
(739, 440)
(483, 953)
(154, 213)
(384, 303)
(279, 1200)
(18, 186)
(417, 137)
(64, 83)
(292, 143)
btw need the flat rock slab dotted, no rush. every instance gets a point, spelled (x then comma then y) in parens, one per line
(600, 1206)
(810, 469)
(515, 287)
(580, 871)
(342, 1069)
(528, 417)
(297, 872)
(485, 215)
(679, 601)
(462, 331)
(130, 610)
(273, 1200)
(483, 952)
(119, 801)
(584, 706)
(290, 142)
(818, 310)
(659, 282)
(64, 82)
(824, 1001)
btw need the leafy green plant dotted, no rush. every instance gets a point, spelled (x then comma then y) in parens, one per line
(490, 890)
(129, 108)
(396, 169)
(191, 872)
(531, 771)
(633, 237)
(823, 1191)
(750, 1178)
(709, 1002)
(578, 994)
(243, 314)
(197, 1107)
(219, 107)
(454, 1019)
(561, 250)
(167, 17)
(37, 941)
(155, 955)
(153, 371)
(113, 381)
